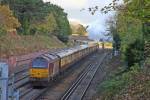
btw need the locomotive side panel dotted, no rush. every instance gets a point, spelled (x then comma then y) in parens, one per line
(56, 68)
(50, 69)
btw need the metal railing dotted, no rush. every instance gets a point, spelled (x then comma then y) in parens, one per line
(3, 81)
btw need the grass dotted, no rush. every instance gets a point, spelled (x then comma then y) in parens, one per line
(20, 45)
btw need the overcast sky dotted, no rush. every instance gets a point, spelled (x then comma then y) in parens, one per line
(73, 8)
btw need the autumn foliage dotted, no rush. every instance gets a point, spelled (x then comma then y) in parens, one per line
(7, 20)
(78, 29)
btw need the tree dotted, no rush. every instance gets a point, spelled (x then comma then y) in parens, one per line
(64, 29)
(47, 26)
(26, 11)
(78, 29)
(112, 31)
(7, 20)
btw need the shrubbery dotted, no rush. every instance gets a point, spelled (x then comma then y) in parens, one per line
(116, 83)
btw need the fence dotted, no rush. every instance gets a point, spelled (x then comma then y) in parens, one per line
(3, 81)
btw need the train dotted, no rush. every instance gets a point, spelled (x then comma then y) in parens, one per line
(49, 66)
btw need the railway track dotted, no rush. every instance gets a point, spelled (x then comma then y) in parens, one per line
(80, 86)
(20, 82)
(32, 94)
(19, 78)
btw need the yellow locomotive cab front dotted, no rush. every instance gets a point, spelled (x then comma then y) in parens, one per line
(38, 73)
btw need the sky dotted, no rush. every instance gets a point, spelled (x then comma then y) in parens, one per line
(96, 22)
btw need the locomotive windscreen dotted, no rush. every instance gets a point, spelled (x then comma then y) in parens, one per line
(39, 63)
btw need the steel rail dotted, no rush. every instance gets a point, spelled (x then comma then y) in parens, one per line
(74, 86)
(78, 83)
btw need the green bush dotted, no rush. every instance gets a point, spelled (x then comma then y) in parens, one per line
(115, 84)
(133, 53)
(2, 31)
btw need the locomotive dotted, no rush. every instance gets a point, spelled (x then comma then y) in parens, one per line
(48, 66)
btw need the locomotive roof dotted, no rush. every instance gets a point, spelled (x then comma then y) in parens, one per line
(49, 57)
